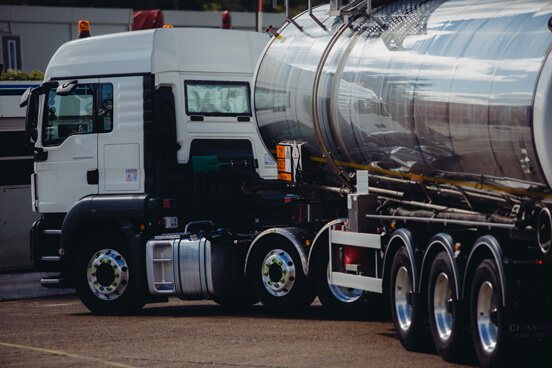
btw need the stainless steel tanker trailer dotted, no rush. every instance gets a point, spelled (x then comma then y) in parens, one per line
(426, 124)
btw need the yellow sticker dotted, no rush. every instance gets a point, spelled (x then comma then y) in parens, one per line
(281, 151)
(284, 176)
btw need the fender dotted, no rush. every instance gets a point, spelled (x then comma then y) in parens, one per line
(404, 236)
(296, 236)
(487, 243)
(97, 208)
(446, 243)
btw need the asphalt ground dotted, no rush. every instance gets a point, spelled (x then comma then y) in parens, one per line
(59, 331)
(26, 285)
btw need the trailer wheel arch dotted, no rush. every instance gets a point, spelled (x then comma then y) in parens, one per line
(486, 247)
(399, 238)
(314, 246)
(441, 242)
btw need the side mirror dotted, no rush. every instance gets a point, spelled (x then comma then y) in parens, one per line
(31, 121)
(25, 97)
(67, 88)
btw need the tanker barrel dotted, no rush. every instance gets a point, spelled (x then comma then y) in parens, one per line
(451, 95)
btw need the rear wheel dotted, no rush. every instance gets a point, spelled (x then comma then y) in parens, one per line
(487, 316)
(444, 309)
(104, 276)
(406, 308)
(277, 277)
(340, 302)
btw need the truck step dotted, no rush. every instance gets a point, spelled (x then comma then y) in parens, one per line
(55, 282)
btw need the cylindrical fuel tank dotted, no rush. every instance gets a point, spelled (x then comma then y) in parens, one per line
(454, 92)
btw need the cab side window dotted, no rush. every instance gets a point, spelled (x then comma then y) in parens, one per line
(89, 109)
(105, 108)
(213, 98)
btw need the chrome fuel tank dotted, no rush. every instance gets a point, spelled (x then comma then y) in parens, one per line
(454, 92)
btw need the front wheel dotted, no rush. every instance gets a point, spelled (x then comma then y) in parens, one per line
(277, 277)
(104, 276)
(487, 316)
(406, 308)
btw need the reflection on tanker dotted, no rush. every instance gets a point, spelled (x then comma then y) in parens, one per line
(445, 93)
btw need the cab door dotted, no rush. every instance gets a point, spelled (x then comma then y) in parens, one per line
(66, 160)
(120, 146)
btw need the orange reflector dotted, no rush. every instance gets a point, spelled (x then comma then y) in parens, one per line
(167, 26)
(308, 243)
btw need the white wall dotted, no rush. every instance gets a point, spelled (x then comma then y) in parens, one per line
(44, 29)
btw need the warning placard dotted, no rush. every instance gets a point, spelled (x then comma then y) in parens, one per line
(131, 175)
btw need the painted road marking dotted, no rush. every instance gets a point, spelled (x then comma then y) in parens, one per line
(70, 355)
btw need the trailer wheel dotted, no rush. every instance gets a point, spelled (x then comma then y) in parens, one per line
(487, 316)
(278, 279)
(339, 302)
(104, 276)
(406, 308)
(445, 314)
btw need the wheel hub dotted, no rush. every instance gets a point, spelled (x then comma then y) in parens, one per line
(343, 294)
(487, 317)
(278, 272)
(403, 298)
(442, 306)
(107, 274)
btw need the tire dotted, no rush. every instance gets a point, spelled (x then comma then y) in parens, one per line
(105, 276)
(490, 335)
(236, 302)
(339, 302)
(406, 306)
(445, 310)
(277, 277)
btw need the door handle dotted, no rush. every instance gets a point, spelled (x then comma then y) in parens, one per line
(92, 177)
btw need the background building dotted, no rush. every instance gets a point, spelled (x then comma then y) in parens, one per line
(31, 34)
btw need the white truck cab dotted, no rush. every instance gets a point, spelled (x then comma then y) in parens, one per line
(93, 134)
(136, 135)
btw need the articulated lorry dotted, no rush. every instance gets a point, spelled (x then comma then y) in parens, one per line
(410, 167)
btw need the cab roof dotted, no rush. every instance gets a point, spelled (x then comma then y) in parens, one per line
(159, 50)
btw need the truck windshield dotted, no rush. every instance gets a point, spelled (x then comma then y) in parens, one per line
(67, 115)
